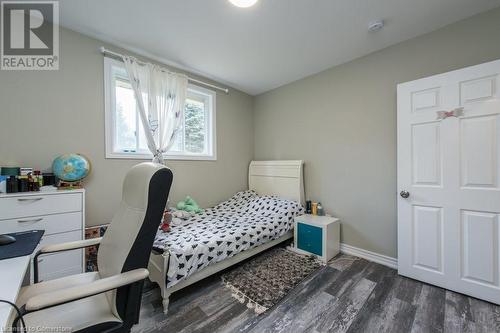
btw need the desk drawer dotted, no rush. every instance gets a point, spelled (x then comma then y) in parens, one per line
(59, 265)
(36, 205)
(61, 238)
(310, 238)
(52, 224)
(56, 265)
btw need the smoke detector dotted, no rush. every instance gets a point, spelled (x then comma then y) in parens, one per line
(375, 26)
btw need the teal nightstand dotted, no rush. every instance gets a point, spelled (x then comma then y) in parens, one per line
(318, 235)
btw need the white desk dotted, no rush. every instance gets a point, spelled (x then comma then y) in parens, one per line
(12, 272)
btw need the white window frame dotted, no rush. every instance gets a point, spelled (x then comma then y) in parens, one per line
(109, 110)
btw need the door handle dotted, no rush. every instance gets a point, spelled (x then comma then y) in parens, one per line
(404, 194)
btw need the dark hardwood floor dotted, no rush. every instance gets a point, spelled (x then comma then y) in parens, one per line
(348, 295)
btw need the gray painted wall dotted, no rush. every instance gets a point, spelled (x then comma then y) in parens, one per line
(44, 114)
(342, 122)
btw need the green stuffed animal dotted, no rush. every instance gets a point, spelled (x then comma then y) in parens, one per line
(189, 205)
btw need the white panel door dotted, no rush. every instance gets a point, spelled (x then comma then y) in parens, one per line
(448, 179)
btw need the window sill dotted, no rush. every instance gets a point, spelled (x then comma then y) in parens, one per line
(165, 157)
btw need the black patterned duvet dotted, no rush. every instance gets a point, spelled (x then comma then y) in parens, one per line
(243, 222)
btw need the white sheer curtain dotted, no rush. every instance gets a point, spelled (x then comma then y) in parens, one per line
(160, 96)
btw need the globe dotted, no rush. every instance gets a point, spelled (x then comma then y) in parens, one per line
(71, 167)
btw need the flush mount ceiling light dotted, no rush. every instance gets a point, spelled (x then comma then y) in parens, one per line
(243, 3)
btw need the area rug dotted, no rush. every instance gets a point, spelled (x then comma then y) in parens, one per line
(263, 281)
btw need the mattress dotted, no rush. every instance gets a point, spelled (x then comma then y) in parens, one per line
(243, 222)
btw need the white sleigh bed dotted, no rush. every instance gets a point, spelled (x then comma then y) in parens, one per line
(283, 179)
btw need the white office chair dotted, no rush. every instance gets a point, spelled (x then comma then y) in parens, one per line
(107, 300)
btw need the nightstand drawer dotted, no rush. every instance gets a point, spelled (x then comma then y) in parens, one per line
(310, 238)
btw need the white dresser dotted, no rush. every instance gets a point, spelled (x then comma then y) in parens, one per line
(60, 213)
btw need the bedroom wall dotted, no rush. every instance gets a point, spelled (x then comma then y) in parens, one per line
(44, 114)
(342, 122)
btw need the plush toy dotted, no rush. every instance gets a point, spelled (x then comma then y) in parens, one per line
(167, 220)
(181, 214)
(189, 205)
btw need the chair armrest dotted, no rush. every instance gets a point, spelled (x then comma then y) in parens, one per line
(70, 245)
(62, 247)
(62, 296)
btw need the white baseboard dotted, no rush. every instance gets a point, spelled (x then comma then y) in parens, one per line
(369, 255)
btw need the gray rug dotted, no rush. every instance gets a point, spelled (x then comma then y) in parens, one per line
(263, 281)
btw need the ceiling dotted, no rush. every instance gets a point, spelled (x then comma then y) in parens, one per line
(265, 46)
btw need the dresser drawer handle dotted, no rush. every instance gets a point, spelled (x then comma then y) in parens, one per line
(31, 221)
(29, 199)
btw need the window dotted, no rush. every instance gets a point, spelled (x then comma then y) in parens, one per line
(125, 136)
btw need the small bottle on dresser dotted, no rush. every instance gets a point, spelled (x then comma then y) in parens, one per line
(321, 211)
(314, 208)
